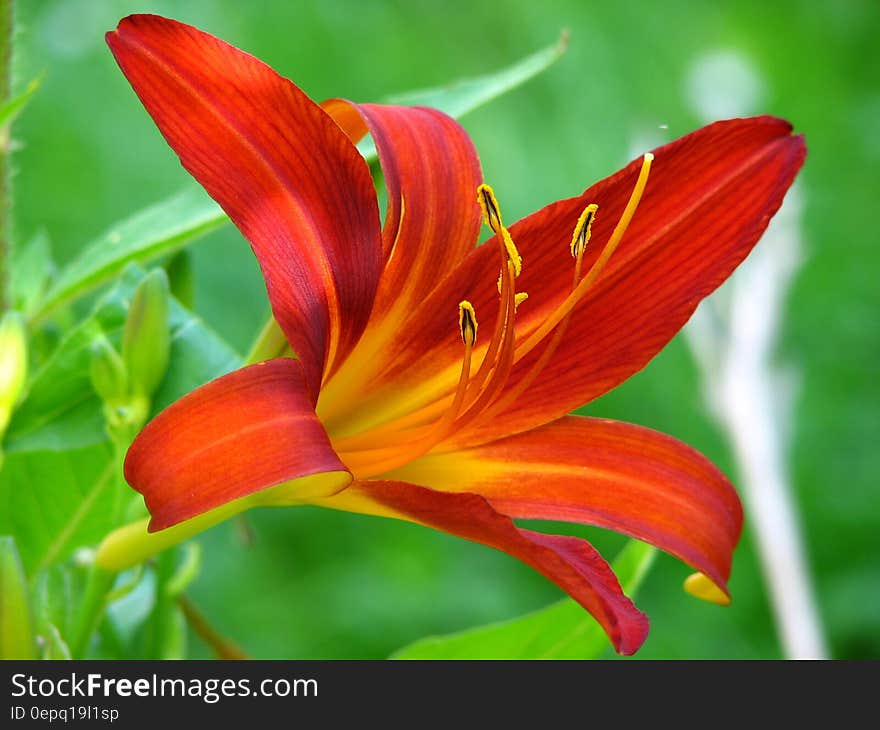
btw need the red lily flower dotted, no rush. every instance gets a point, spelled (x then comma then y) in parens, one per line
(392, 407)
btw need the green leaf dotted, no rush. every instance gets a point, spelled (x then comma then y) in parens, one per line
(32, 265)
(13, 107)
(159, 230)
(466, 95)
(54, 502)
(61, 410)
(54, 647)
(561, 631)
(17, 639)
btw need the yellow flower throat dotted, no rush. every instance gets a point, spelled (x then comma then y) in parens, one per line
(480, 396)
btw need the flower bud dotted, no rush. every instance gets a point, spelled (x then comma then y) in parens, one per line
(16, 621)
(146, 341)
(108, 371)
(13, 364)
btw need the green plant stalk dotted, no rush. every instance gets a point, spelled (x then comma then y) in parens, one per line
(98, 584)
(100, 580)
(7, 26)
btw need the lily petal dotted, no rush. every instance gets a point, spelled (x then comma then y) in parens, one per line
(573, 564)
(282, 169)
(431, 172)
(594, 471)
(709, 198)
(240, 434)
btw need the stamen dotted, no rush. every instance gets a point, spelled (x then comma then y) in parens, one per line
(467, 321)
(370, 461)
(519, 298)
(485, 394)
(581, 236)
(489, 205)
(577, 294)
(492, 217)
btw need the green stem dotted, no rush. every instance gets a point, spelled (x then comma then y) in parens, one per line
(100, 580)
(7, 25)
(91, 610)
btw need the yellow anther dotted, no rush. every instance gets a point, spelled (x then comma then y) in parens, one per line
(519, 298)
(700, 586)
(467, 321)
(492, 217)
(489, 205)
(581, 236)
(512, 254)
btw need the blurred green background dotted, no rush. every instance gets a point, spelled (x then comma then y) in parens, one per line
(316, 584)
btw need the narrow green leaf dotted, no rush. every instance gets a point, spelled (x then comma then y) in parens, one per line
(156, 231)
(17, 640)
(13, 107)
(54, 647)
(561, 631)
(61, 410)
(466, 95)
(31, 267)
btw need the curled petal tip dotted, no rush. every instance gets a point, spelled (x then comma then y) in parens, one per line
(702, 587)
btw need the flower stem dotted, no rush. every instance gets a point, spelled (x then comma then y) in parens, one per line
(7, 26)
(91, 610)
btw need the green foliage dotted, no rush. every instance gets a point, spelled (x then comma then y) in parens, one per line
(159, 230)
(17, 639)
(62, 411)
(32, 265)
(561, 631)
(466, 95)
(145, 341)
(12, 108)
(55, 501)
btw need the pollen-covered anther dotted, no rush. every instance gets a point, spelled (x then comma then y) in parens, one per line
(492, 217)
(467, 321)
(489, 205)
(519, 298)
(582, 231)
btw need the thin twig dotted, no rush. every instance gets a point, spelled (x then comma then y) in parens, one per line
(223, 648)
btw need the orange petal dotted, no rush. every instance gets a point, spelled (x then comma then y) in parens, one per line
(571, 563)
(247, 431)
(614, 475)
(285, 173)
(431, 172)
(709, 198)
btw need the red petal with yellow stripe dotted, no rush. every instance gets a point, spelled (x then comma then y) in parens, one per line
(571, 563)
(614, 475)
(240, 434)
(708, 199)
(282, 169)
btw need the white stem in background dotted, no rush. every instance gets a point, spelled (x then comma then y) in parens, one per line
(734, 342)
(733, 335)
